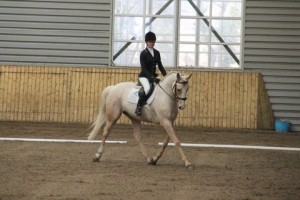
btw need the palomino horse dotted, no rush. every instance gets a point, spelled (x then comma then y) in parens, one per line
(170, 95)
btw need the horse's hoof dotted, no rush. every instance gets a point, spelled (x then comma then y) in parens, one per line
(152, 162)
(95, 159)
(190, 167)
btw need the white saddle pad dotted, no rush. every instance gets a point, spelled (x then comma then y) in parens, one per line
(133, 96)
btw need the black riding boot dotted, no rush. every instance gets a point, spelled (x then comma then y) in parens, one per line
(140, 104)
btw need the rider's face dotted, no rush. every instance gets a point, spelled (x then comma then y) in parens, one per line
(150, 44)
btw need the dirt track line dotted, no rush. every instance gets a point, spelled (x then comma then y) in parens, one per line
(59, 140)
(235, 146)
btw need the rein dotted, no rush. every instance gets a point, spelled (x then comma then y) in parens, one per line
(172, 97)
(175, 87)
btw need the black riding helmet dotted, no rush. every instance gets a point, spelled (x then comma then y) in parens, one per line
(150, 37)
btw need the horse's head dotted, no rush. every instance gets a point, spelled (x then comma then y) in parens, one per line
(181, 88)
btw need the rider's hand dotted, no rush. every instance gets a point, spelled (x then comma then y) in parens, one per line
(156, 80)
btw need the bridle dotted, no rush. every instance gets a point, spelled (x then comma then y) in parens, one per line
(174, 89)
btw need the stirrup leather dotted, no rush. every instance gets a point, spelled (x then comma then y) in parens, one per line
(138, 110)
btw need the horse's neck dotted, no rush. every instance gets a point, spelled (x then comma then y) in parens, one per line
(167, 88)
(168, 82)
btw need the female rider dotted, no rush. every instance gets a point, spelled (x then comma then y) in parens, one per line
(149, 58)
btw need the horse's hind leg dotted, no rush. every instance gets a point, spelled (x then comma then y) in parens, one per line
(106, 131)
(137, 135)
(113, 113)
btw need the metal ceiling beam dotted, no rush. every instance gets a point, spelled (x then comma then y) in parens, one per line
(214, 31)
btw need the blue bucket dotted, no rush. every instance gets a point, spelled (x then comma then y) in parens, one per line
(282, 127)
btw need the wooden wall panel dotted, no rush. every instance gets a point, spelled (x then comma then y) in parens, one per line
(217, 99)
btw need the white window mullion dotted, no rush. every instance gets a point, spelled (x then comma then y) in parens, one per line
(177, 33)
(197, 38)
(210, 33)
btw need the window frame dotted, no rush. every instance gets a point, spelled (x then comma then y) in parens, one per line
(176, 35)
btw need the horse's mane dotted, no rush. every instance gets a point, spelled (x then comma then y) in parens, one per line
(170, 73)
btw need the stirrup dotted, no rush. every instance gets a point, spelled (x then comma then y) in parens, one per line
(138, 110)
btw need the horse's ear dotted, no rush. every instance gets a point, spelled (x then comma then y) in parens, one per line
(189, 77)
(178, 77)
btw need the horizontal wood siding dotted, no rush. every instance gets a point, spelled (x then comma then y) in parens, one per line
(65, 94)
(272, 47)
(55, 32)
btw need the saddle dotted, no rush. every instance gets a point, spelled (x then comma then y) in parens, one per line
(133, 95)
(152, 87)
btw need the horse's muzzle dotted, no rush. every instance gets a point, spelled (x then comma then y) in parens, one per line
(181, 107)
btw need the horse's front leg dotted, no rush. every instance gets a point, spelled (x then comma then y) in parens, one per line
(170, 130)
(137, 135)
(162, 149)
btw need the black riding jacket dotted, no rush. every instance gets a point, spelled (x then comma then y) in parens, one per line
(148, 64)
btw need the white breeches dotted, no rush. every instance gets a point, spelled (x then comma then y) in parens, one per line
(145, 83)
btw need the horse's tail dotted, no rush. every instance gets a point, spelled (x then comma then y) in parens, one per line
(101, 118)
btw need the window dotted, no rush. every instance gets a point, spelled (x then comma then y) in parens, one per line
(190, 33)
